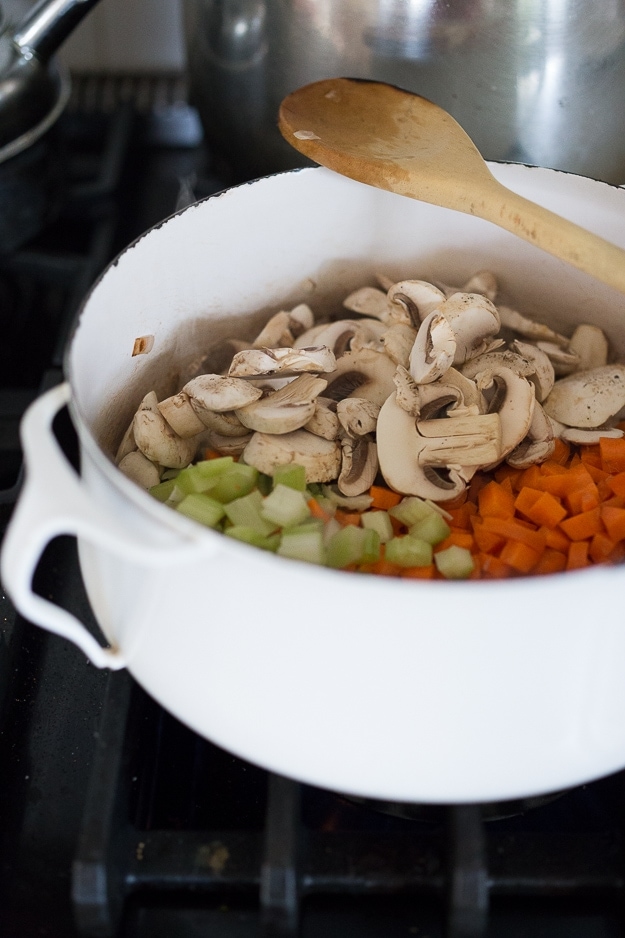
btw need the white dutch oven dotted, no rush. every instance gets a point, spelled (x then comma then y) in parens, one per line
(429, 692)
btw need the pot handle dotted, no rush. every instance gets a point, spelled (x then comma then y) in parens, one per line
(54, 501)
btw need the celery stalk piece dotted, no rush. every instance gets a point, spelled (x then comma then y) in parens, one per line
(455, 563)
(346, 546)
(408, 551)
(293, 475)
(239, 480)
(163, 490)
(203, 476)
(379, 521)
(285, 506)
(411, 509)
(432, 529)
(303, 543)
(245, 512)
(241, 532)
(370, 547)
(201, 508)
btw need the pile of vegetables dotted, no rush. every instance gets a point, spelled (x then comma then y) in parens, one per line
(564, 514)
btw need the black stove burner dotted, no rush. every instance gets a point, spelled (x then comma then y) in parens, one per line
(116, 820)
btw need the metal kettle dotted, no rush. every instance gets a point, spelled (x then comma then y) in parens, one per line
(541, 82)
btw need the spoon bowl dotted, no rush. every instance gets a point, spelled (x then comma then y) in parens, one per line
(393, 139)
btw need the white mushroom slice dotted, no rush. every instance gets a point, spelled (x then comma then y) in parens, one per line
(301, 318)
(433, 350)
(228, 445)
(588, 399)
(285, 410)
(399, 447)
(411, 301)
(156, 439)
(140, 469)
(275, 333)
(227, 424)
(357, 415)
(407, 391)
(590, 344)
(542, 375)
(359, 466)
(483, 282)
(368, 301)
(220, 394)
(471, 398)
(384, 281)
(255, 363)
(127, 444)
(538, 444)
(589, 437)
(398, 342)
(465, 441)
(512, 397)
(501, 358)
(529, 328)
(324, 422)
(363, 373)
(369, 335)
(344, 335)
(180, 415)
(320, 458)
(474, 321)
(564, 361)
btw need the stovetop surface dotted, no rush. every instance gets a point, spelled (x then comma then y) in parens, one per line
(116, 820)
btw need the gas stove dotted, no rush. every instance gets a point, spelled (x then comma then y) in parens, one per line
(115, 819)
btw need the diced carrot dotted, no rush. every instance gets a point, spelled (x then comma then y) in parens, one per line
(520, 556)
(526, 498)
(616, 501)
(487, 541)
(561, 452)
(596, 473)
(493, 500)
(317, 510)
(614, 521)
(456, 502)
(612, 454)
(457, 538)
(532, 477)
(557, 539)
(419, 573)
(583, 526)
(551, 468)
(583, 500)
(384, 498)
(601, 548)
(211, 454)
(517, 531)
(506, 484)
(493, 568)
(347, 517)
(617, 483)
(551, 561)
(545, 510)
(590, 455)
(461, 516)
(578, 556)
(479, 480)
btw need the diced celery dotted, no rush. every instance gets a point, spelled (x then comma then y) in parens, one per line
(408, 551)
(379, 521)
(455, 563)
(239, 480)
(201, 508)
(370, 546)
(285, 506)
(432, 529)
(303, 543)
(346, 546)
(163, 490)
(203, 476)
(245, 512)
(241, 532)
(292, 475)
(311, 524)
(411, 509)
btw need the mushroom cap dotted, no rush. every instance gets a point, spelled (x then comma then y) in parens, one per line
(285, 410)
(156, 440)
(588, 399)
(362, 373)
(513, 400)
(256, 363)
(590, 344)
(359, 466)
(411, 301)
(368, 301)
(220, 394)
(474, 321)
(320, 458)
(433, 350)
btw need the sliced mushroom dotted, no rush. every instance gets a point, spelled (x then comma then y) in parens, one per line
(320, 458)
(363, 373)
(285, 410)
(589, 437)
(398, 341)
(220, 394)
(359, 466)
(564, 361)
(127, 444)
(357, 415)
(542, 375)
(344, 335)
(140, 469)
(474, 321)
(590, 344)
(156, 439)
(512, 397)
(400, 448)
(256, 363)
(301, 318)
(411, 301)
(368, 301)
(433, 350)
(324, 422)
(276, 333)
(588, 399)
(473, 440)
(228, 445)
(539, 442)
(180, 415)
(529, 328)
(483, 282)
(227, 424)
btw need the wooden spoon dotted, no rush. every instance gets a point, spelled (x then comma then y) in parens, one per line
(395, 140)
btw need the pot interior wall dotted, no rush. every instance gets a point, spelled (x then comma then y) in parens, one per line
(220, 267)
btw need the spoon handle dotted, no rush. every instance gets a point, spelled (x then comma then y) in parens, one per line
(556, 235)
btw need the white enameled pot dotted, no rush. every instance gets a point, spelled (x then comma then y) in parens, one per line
(410, 691)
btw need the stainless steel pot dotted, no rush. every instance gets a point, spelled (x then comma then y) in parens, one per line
(541, 82)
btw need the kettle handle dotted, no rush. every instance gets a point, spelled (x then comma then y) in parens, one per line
(54, 501)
